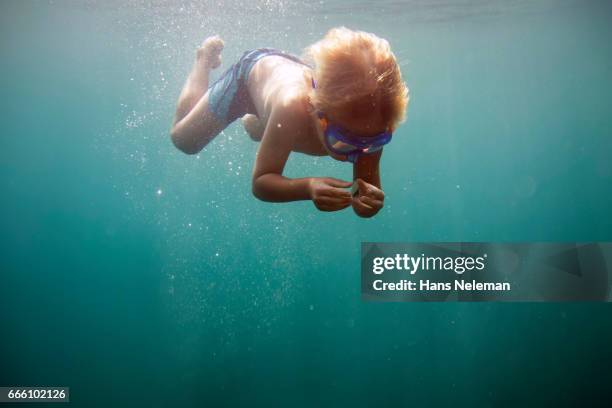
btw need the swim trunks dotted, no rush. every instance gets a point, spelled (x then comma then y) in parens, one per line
(228, 97)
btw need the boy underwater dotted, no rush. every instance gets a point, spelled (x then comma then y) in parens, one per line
(346, 106)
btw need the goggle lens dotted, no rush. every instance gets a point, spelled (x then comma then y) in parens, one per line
(340, 146)
(343, 142)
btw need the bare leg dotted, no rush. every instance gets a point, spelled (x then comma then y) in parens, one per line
(253, 126)
(194, 125)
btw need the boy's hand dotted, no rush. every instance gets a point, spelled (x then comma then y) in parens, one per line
(368, 200)
(330, 194)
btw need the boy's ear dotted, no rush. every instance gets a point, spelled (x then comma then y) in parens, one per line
(323, 121)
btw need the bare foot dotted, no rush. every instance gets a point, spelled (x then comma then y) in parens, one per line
(253, 126)
(210, 51)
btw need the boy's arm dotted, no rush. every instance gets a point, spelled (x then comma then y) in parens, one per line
(369, 198)
(274, 149)
(327, 194)
(367, 168)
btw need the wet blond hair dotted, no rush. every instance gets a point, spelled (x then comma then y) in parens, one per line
(357, 74)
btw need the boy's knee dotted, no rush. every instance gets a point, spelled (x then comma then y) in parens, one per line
(253, 126)
(184, 146)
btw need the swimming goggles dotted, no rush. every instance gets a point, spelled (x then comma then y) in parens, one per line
(344, 142)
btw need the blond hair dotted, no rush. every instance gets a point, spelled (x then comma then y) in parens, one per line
(356, 72)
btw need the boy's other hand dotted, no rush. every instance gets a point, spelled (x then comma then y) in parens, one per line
(330, 194)
(368, 200)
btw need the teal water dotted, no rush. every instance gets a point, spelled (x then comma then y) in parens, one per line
(140, 276)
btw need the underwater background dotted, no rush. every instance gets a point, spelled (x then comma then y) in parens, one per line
(140, 276)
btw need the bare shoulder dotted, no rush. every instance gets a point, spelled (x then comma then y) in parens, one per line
(289, 115)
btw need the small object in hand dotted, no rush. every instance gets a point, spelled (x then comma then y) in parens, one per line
(355, 189)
